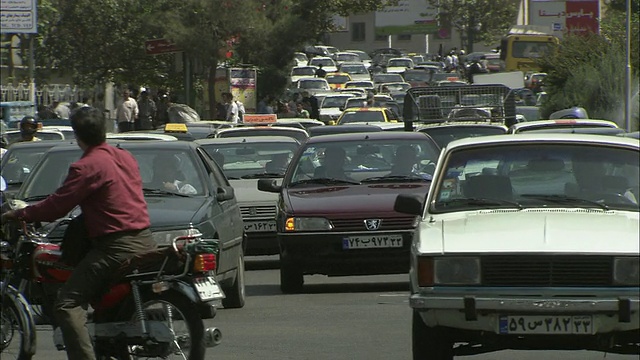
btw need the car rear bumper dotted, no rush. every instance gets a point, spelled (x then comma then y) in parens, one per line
(325, 253)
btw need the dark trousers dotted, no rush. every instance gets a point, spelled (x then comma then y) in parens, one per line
(143, 123)
(88, 281)
(124, 126)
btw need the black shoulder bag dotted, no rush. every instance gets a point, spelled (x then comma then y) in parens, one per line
(75, 242)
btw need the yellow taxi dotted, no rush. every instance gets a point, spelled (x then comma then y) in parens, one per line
(367, 115)
(337, 80)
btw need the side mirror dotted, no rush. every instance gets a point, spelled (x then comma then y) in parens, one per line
(269, 185)
(3, 184)
(225, 193)
(408, 204)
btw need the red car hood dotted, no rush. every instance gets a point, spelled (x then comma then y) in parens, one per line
(350, 200)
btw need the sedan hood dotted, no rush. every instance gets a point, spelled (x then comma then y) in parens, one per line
(532, 231)
(173, 212)
(247, 191)
(351, 200)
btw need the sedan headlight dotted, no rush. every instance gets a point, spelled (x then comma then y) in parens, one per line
(456, 271)
(626, 271)
(164, 238)
(307, 224)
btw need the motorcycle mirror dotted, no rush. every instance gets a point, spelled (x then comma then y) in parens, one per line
(3, 184)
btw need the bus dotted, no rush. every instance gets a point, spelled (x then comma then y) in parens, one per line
(520, 48)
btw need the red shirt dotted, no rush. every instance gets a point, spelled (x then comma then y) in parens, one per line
(106, 183)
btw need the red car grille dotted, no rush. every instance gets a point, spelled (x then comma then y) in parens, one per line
(552, 270)
(386, 224)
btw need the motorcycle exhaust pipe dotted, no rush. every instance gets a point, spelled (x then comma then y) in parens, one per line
(212, 337)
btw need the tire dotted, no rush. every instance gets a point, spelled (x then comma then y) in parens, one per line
(16, 333)
(235, 295)
(185, 323)
(429, 343)
(291, 277)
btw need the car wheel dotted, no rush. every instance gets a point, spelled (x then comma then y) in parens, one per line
(235, 295)
(429, 343)
(291, 278)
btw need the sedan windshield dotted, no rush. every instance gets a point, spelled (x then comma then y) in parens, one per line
(361, 116)
(313, 84)
(354, 69)
(392, 160)
(303, 71)
(252, 160)
(334, 101)
(446, 134)
(18, 163)
(347, 57)
(540, 175)
(387, 78)
(400, 63)
(170, 171)
(337, 79)
(323, 62)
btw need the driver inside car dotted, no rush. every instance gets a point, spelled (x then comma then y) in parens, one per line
(404, 164)
(332, 165)
(167, 175)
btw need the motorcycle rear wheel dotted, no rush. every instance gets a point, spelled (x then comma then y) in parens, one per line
(14, 332)
(185, 322)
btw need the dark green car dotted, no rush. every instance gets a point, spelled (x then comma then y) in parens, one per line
(186, 193)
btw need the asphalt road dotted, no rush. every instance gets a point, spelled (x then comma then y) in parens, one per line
(335, 318)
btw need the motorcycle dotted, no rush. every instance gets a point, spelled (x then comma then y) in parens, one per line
(151, 311)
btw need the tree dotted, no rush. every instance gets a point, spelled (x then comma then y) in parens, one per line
(589, 71)
(480, 20)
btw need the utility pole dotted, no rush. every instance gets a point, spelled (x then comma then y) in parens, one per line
(627, 74)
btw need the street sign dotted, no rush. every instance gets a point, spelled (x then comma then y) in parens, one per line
(18, 17)
(160, 46)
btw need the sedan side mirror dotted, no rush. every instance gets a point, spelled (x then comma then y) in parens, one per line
(408, 204)
(225, 193)
(269, 185)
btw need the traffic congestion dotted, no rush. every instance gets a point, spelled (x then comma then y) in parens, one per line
(383, 204)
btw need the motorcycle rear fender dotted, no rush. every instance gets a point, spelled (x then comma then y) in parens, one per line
(185, 289)
(26, 317)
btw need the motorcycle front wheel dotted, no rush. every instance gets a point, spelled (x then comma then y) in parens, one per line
(15, 333)
(181, 317)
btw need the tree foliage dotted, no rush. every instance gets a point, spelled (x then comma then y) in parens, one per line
(480, 20)
(96, 41)
(589, 71)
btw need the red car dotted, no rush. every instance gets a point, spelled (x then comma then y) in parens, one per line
(335, 213)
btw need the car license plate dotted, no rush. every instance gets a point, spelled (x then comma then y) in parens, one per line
(547, 324)
(208, 289)
(372, 242)
(260, 226)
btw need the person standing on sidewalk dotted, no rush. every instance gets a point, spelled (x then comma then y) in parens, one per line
(146, 112)
(127, 112)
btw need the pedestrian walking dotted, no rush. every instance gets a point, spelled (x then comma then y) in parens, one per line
(127, 112)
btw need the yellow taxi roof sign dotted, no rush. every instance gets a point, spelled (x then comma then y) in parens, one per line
(173, 128)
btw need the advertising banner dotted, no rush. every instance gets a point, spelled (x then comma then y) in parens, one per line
(566, 17)
(408, 17)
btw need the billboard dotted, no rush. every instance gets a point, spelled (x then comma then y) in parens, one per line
(407, 17)
(566, 16)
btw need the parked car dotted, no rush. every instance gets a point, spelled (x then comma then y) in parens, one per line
(203, 201)
(566, 125)
(367, 114)
(301, 72)
(245, 131)
(362, 235)
(328, 64)
(357, 70)
(244, 160)
(527, 242)
(445, 132)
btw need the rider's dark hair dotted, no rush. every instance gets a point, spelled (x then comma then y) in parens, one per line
(89, 125)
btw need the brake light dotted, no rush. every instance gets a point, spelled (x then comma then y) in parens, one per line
(204, 263)
(425, 271)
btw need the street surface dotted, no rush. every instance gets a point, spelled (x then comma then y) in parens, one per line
(336, 318)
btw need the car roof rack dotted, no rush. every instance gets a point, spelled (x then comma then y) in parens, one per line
(439, 104)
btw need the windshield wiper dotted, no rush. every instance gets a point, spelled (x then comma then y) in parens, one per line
(563, 199)
(159, 192)
(35, 198)
(324, 181)
(395, 178)
(480, 202)
(262, 175)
